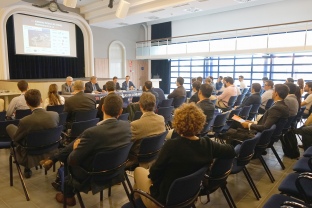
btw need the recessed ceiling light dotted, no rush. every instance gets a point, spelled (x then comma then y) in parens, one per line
(158, 10)
(193, 10)
(152, 18)
(122, 24)
(244, 1)
(180, 5)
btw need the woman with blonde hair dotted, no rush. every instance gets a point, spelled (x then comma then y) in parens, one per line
(53, 97)
(180, 156)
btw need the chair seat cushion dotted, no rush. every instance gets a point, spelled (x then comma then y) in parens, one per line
(5, 145)
(308, 152)
(138, 203)
(302, 165)
(278, 199)
(236, 168)
(288, 186)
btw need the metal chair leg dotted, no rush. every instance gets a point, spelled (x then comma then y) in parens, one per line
(228, 197)
(266, 168)
(278, 158)
(11, 169)
(101, 195)
(80, 200)
(251, 183)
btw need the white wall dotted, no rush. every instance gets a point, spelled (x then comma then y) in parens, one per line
(276, 13)
(128, 35)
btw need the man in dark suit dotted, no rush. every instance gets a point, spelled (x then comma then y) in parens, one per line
(79, 102)
(254, 98)
(110, 87)
(68, 87)
(148, 87)
(109, 134)
(204, 102)
(180, 90)
(38, 120)
(92, 86)
(117, 86)
(127, 85)
(277, 111)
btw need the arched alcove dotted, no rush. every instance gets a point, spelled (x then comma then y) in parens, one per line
(117, 59)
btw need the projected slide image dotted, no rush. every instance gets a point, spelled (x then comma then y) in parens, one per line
(39, 38)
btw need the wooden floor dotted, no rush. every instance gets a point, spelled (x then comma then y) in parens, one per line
(42, 193)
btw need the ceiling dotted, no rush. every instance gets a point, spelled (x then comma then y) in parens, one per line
(97, 12)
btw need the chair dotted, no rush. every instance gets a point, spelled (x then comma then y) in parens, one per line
(5, 140)
(2, 115)
(161, 94)
(304, 164)
(188, 93)
(269, 104)
(308, 152)
(245, 152)
(137, 115)
(124, 117)
(229, 120)
(125, 102)
(279, 200)
(218, 124)
(245, 112)
(275, 137)
(219, 172)
(253, 111)
(183, 192)
(299, 116)
(245, 90)
(38, 143)
(19, 114)
(63, 117)
(135, 99)
(298, 185)
(177, 101)
(106, 172)
(230, 104)
(206, 127)
(78, 127)
(57, 108)
(85, 115)
(239, 100)
(166, 113)
(165, 103)
(261, 146)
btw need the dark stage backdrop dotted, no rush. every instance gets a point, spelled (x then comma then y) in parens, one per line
(162, 67)
(39, 67)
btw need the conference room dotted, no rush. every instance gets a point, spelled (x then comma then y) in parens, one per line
(43, 42)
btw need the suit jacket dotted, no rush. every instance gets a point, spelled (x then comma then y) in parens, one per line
(67, 90)
(117, 87)
(79, 102)
(150, 124)
(208, 108)
(252, 99)
(194, 98)
(124, 85)
(89, 88)
(271, 116)
(178, 92)
(39, 119)
(111, 134)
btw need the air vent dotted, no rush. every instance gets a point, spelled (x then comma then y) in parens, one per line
(193, 10)
(158, 10)
(152, 18)
(202, 0)
(123, 24)
(180, 5)
(244, 1)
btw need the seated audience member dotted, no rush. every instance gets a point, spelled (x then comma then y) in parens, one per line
(180, 90)
(150, 124)
(148, 87)
(247, 129)
(180, 156)
(290, 80)
(242, 84)
(204, 102)
(306, 132)
(268, 87)
(92, 86)
(300, 83)
(110, 87)
(79, 102)
(109, 135)
(291, 99)
(195, 88)
(68, 87)
(264, 79)
(39, 119)
(308, 101)
(219, 83)
(53, 97)
(127, 85)
(209, 81)
(18, 103)
(117, 86)
(229, 90)
(254, 98)
(200, 79)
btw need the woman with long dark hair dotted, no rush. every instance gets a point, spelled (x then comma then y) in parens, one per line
(53, 97)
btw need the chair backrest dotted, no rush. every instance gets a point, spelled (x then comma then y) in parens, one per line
(245, 112)
(135, 99)
(219, 122)
(245, 90)
(43, 141)
(137, 115)
(289, 122)
(124, 117)
(150, 147)
(232, 101)
(19, 114)
(184, 191)
(234, 112)
(264, 140)
(278, 130)
(188, 93)
(85, 115)
(245, 151)
(2, 115)
(80, 126)
(166, 113)
(253, 111)
(4, 137)
(219, 172)
(177, 101)
(300, 113)
(239, 99)
(269, 104)
(57, 108)
(166, 102)
(63, 117)
(161, 94)
(207, 127)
